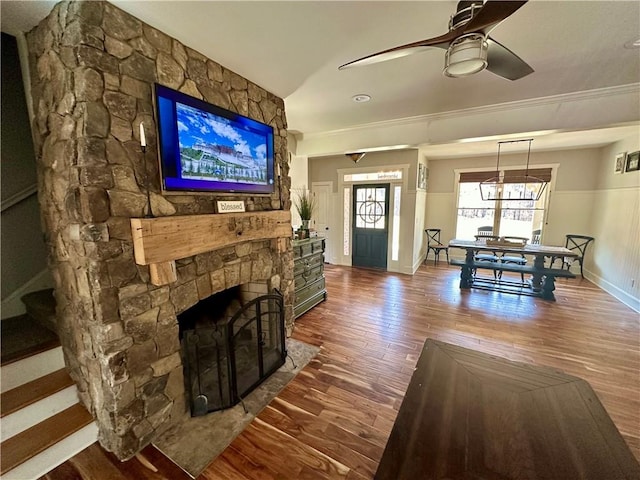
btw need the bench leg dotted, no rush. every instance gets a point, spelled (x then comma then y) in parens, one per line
(548, 288)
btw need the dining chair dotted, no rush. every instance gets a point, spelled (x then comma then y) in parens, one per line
(434, 243)
(486, 231)
(488, 256)
(577, 244)
(514, 259)
(535, 237)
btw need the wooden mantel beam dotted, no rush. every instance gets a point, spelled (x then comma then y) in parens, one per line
(160, 241)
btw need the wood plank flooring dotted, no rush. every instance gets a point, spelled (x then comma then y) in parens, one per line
(334, 418)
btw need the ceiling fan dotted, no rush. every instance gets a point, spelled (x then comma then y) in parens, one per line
(468, 45)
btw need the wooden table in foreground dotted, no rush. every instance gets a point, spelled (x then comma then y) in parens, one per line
(469, 415)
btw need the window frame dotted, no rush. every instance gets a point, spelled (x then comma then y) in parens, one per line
(498, 210)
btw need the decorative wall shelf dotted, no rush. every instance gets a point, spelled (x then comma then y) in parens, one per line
(158, 242)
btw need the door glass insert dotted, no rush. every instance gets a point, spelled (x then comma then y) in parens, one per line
(370, 208)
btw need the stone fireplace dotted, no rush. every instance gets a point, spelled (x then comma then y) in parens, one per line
(92, 67)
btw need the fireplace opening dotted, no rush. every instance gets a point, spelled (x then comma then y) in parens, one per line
(231, 342)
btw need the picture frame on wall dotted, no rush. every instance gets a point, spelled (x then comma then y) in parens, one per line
(633, 162)
(423, 176)
(621, 159)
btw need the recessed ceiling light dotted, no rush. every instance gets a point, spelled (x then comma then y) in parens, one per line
(632, 43)
(361, 98)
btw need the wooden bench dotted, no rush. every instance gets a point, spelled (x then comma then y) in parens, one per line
(540, 288)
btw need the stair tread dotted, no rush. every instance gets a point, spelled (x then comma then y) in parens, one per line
(31, 392)
(22, 337)
(25, 445)
(40, 299)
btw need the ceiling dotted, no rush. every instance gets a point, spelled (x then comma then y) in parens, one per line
(294, 48)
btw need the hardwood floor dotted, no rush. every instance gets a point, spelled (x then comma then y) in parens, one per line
(334, 418)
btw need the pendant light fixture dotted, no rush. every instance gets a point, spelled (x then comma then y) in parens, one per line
(494, 188)
(355, 156)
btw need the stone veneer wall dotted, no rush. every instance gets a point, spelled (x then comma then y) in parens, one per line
(92, 69)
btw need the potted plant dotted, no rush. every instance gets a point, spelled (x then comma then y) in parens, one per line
(305, 205)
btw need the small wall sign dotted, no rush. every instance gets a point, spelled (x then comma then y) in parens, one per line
(230, 206)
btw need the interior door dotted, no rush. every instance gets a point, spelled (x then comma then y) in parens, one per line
(322, 194)
(370, 225)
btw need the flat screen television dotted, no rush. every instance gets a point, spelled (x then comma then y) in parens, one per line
(206, 148)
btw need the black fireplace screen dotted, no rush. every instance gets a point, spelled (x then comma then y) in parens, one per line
(226, 360)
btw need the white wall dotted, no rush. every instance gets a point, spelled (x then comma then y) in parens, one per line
(23, 250)
(299, 173)
(615, 224)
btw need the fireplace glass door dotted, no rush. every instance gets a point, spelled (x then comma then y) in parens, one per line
(226, 361)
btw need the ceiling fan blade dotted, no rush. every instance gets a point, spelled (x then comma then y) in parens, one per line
(504, 63)
(442, 41)
(490, 15)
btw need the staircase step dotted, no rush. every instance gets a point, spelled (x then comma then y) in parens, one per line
(25, 406)
(29, 443)
(41, 305)
(22, 336)
(31, 392)
(48, 460)
(28, 369)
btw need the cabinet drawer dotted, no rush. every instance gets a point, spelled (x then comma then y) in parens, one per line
(303, 248)
(305, 306)
(303, 264)
(309, 291)
(308, 276)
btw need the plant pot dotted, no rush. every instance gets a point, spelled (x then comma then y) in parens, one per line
(305, 224)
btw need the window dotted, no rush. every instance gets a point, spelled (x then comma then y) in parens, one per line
(395, 231)
(346, 221)
(506, 217)
(373, 176)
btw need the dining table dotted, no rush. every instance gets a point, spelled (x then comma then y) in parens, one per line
(543, 276)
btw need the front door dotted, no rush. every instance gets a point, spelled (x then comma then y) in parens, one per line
(370, 225)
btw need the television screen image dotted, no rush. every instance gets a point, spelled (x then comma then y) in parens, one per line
(207, 148)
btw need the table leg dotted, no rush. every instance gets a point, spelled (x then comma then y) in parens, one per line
(536, 282)
(466, 277)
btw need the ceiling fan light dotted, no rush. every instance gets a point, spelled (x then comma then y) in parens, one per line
(466, 55)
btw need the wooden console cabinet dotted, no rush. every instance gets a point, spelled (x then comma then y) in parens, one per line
(308, 273)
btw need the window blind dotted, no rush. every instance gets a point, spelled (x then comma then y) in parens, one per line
(544, 174)
(510, 176)
(476, 177)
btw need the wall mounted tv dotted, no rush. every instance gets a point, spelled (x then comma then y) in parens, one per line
(206, 148)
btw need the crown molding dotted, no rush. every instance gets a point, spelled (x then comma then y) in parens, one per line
(496, 108)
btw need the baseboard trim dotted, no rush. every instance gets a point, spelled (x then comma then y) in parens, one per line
(629, 300)
(12, 306)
